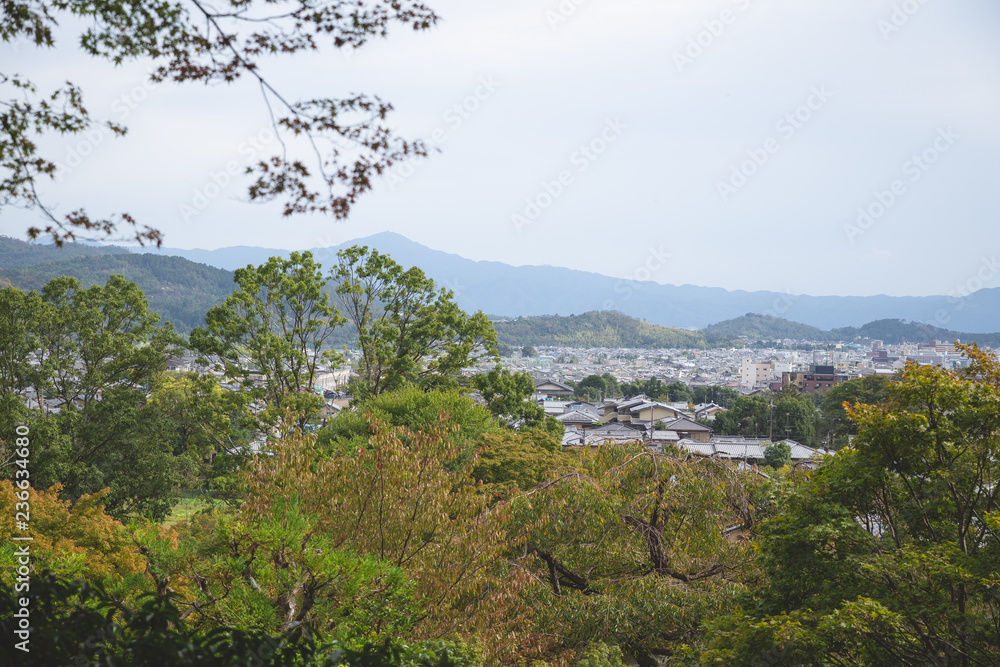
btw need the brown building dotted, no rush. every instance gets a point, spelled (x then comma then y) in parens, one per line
(820, 378)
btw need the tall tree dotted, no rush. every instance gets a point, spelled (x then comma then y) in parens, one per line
(98, 350)
(199, 42)
(408, 330)
(275, 327)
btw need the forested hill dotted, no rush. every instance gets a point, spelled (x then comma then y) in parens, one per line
(594, 329)
(179, 290)
(763, 327)
(754, 327)
(18, 253)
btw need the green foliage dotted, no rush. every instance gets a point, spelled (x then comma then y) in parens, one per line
(97, 350)
(408, 331)
(513, 462)
(871, 390)
(778, 455)
(721, 396)
(755, 327)
(653, 388)
(508, 397)
(763, 328)
(179, 291)
(594, 329)
(602, 655)
(401, 500)
(678, 391)
(275, 325)
(888, 553)
(529, 351)
(628, 549)
(76, 622)
(414, 410)
(793, 415)
(596, 387)
(207, 423)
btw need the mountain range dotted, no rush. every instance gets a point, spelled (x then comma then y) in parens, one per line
(502, 289)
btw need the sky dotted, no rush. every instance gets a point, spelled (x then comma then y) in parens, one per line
(843, 147)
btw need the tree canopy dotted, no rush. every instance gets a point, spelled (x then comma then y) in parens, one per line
(408, 330)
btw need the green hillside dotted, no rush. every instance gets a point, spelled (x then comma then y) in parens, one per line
(179, 290)
(755, 327)
(594, 329)
(762, 327)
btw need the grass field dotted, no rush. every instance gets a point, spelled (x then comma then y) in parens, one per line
(191, 503)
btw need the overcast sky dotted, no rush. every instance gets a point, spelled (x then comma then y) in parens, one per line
(741, 137)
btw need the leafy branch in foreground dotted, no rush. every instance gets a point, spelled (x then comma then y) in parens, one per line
(347, 139)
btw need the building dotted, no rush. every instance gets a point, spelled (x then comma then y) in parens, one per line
(820, 378)
(551, 389)
(755, 373)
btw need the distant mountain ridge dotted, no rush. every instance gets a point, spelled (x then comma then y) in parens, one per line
(494, 287)
(182, 290)
(756, 327)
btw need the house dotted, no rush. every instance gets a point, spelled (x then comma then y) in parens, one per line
(580, 418)
(687, 430)
(551, 389)
(610, 434)
(707, 411)
(637, 409)
(744, 449)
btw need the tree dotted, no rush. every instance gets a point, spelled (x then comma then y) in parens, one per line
(408, 331)
(678, 391)
(529, 351)
(792, 416)
(196, 42)
(508, 397)
(628, 548)
(591, 388)
(721, 396)
(401, 500)
(653, 388)
(412, 410)
(889, 552)
(209, 424)
(97, 350)
(71, 539)
(84, 623)
(778, 454)
(275, 325)
(871, 390)
(513, 462)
